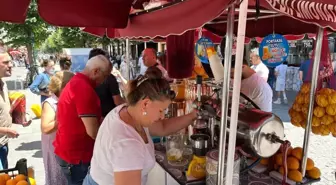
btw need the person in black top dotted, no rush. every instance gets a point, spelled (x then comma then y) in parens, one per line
(108, 92)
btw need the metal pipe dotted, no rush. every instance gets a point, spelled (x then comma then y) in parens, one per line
(128, 60)
(236, 90)
(249, 19)
(225, 94)
(313, 86)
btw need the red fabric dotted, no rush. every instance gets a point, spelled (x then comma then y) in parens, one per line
(72, 143)
(13, 11)
(176, 19)
(326, 72)
(180, 55)
(90, 13)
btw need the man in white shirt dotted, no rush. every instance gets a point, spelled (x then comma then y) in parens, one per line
(143, 68)
(150, 59)
(280, 85)
(257, 65)
(255, 87)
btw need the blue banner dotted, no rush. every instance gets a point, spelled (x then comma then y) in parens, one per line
(200, 49)
(273, 50)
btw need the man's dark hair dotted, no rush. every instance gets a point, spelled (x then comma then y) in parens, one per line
(97, 51)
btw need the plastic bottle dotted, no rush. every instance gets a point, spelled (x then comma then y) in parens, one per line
(216, 65)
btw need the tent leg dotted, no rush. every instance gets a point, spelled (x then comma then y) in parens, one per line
(128, 60)
(225, 94)
(236, 90)
(315, 71)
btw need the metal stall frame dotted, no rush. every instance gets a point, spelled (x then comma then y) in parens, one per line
(313, 85)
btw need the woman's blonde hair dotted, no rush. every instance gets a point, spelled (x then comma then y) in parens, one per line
(58, 81)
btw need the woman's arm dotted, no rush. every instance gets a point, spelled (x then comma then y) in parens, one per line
(123, 178)
(48, 119)
(172, 125)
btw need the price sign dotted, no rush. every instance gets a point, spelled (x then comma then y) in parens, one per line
(273, 50)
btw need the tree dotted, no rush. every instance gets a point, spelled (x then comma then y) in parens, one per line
(31, 34)
(72, 38)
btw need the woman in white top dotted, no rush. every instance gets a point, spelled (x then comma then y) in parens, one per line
(124, 152)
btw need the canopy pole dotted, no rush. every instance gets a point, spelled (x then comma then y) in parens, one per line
(128, 60)
(314, 81)
(236, 91)
(225, 93)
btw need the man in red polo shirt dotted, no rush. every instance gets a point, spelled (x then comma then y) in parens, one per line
(78, 118)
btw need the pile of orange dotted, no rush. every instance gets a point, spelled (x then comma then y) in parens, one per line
(20, 179)
(324, 118)
(294, 159)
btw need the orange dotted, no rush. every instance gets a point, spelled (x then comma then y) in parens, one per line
(314, 173)
(322, 100)
(331, 109)
(2, 181)
(20, 177)
(327, 119)
(316, 130)
(281, 170)
(22, 182)
(278, 159)
(11, 182)
(310, 164)
(293, 163)
(264, 161)
(297, 152)
(295, 175)
(6, 177)
(319, 111)
(289, 151)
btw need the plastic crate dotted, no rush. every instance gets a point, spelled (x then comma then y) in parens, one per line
(20, 168)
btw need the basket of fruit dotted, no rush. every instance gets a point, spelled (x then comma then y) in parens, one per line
(19, 175)
(324, 115)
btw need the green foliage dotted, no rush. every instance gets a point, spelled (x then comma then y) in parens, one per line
(71, 38)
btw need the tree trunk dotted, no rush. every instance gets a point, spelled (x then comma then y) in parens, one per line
(30, 54)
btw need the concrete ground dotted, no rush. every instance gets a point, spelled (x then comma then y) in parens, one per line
(28, 145)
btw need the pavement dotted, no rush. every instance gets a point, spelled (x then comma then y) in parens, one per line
(28, 145)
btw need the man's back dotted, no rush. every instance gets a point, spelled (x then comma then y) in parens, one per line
(305, 68)
(258, 90)
(78, 99)
(281, 70)
(262, 70)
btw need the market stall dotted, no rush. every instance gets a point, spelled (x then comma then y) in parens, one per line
(250, 132)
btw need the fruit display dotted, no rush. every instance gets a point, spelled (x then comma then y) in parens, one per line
(294, 160)
(19, 179)
(324, 114)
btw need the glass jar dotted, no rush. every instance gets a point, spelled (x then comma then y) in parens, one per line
(174, 147)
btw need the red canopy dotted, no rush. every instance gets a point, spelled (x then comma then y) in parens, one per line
(72, 13)
(286, 17)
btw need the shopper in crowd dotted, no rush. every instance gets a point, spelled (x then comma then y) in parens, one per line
(6, 130)
(150, 59)
(304, 68)
(143, 68)
(255, 87)
(123, 147)
(108, 92)
(65, 63)
(78, 118)
(41, 82)
(53, 173)
(257, 65)
(280, 84)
